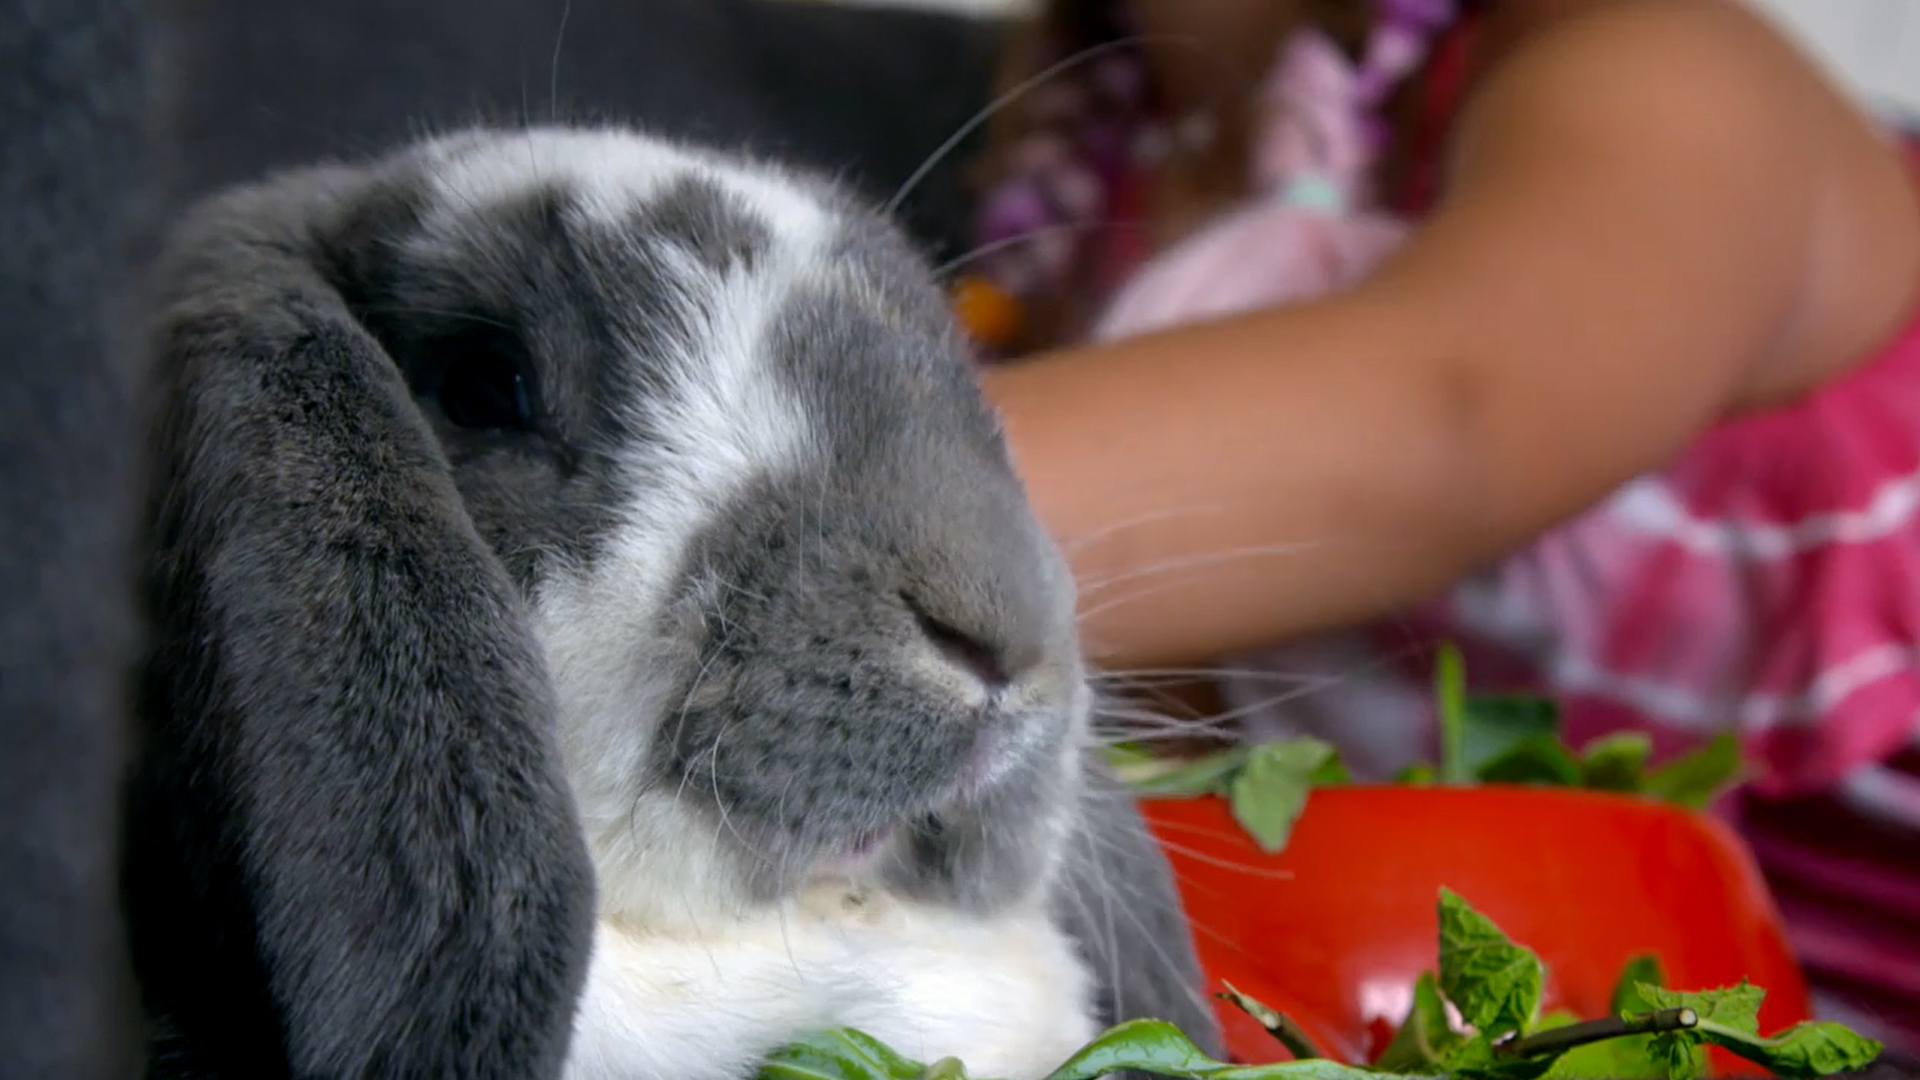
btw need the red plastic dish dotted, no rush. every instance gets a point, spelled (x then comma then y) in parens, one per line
(1335, 929)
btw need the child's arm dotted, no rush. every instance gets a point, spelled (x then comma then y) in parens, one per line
(1658, 214)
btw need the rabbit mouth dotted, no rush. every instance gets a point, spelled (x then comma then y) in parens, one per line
(859, 855)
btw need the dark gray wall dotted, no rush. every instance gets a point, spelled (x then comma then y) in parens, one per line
(865, 92)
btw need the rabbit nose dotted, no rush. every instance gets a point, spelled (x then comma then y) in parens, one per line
(968, 653)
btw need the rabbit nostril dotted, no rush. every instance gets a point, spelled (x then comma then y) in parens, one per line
(965, 652)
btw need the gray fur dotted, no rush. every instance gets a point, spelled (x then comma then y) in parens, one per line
(349, 693)
(352, 851)
(1119, 901)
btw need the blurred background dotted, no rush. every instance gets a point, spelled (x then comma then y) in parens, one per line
(865, 87)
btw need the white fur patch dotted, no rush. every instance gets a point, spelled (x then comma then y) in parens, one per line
(722, 418)
(1008, 997)
(610, 173)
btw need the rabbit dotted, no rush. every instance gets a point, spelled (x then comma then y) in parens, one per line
(601, 633)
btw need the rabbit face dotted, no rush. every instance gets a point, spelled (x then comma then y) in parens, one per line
(715, 422)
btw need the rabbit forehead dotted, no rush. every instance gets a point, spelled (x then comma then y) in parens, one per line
(749, 321)
(656, 277)
(609, 175)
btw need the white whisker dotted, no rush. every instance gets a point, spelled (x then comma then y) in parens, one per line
(553, 71)
(1019, 90)
(1199, 561)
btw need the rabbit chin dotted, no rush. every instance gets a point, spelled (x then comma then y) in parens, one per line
(664, 867)
(1007, 994)
(694, 977)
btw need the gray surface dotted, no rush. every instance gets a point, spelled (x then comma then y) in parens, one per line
(72, 202)
(866, 93)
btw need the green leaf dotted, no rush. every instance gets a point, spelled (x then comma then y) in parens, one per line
(1150, 1045)
(1736, 1008)
(1615, 1059)
(1475, 1059)
(1425, 1036)
(840, 1054)
(1496, 726)
(1495, 983)
(1311, 1069)
(1644, 968)
(1518, 735)
(1537, 759)
(1803, 1051)
(1419, 773)
(1731, 1018)
(1450, 701)
(1155, 1046)
(1616, 762)
(1334, 771)
(1270, 793)
(1696, 779)
(1123, 756)
(1678, 1054)
(1628, 1057)
(1165, 778)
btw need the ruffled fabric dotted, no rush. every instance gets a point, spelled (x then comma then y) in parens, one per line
(1308, 235)
(1767, 583)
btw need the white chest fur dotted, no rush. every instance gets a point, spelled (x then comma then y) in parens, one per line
(1009, 995)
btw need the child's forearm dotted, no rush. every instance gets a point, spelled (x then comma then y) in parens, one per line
(1214, 496)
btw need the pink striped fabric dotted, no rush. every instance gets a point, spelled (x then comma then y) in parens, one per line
(1767, 582)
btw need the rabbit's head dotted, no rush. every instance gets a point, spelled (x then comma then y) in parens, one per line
(715, 422)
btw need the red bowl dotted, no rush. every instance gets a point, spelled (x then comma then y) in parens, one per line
(1335, 929)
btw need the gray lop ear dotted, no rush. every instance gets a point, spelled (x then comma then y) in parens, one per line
(1118, 899)
(352, 852)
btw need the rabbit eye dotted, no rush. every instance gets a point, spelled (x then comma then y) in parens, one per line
(485, 383)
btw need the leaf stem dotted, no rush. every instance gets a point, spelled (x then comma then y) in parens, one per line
(1562, 1039)
(1278, 1024)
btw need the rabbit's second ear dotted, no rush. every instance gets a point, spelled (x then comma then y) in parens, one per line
(353, 852)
